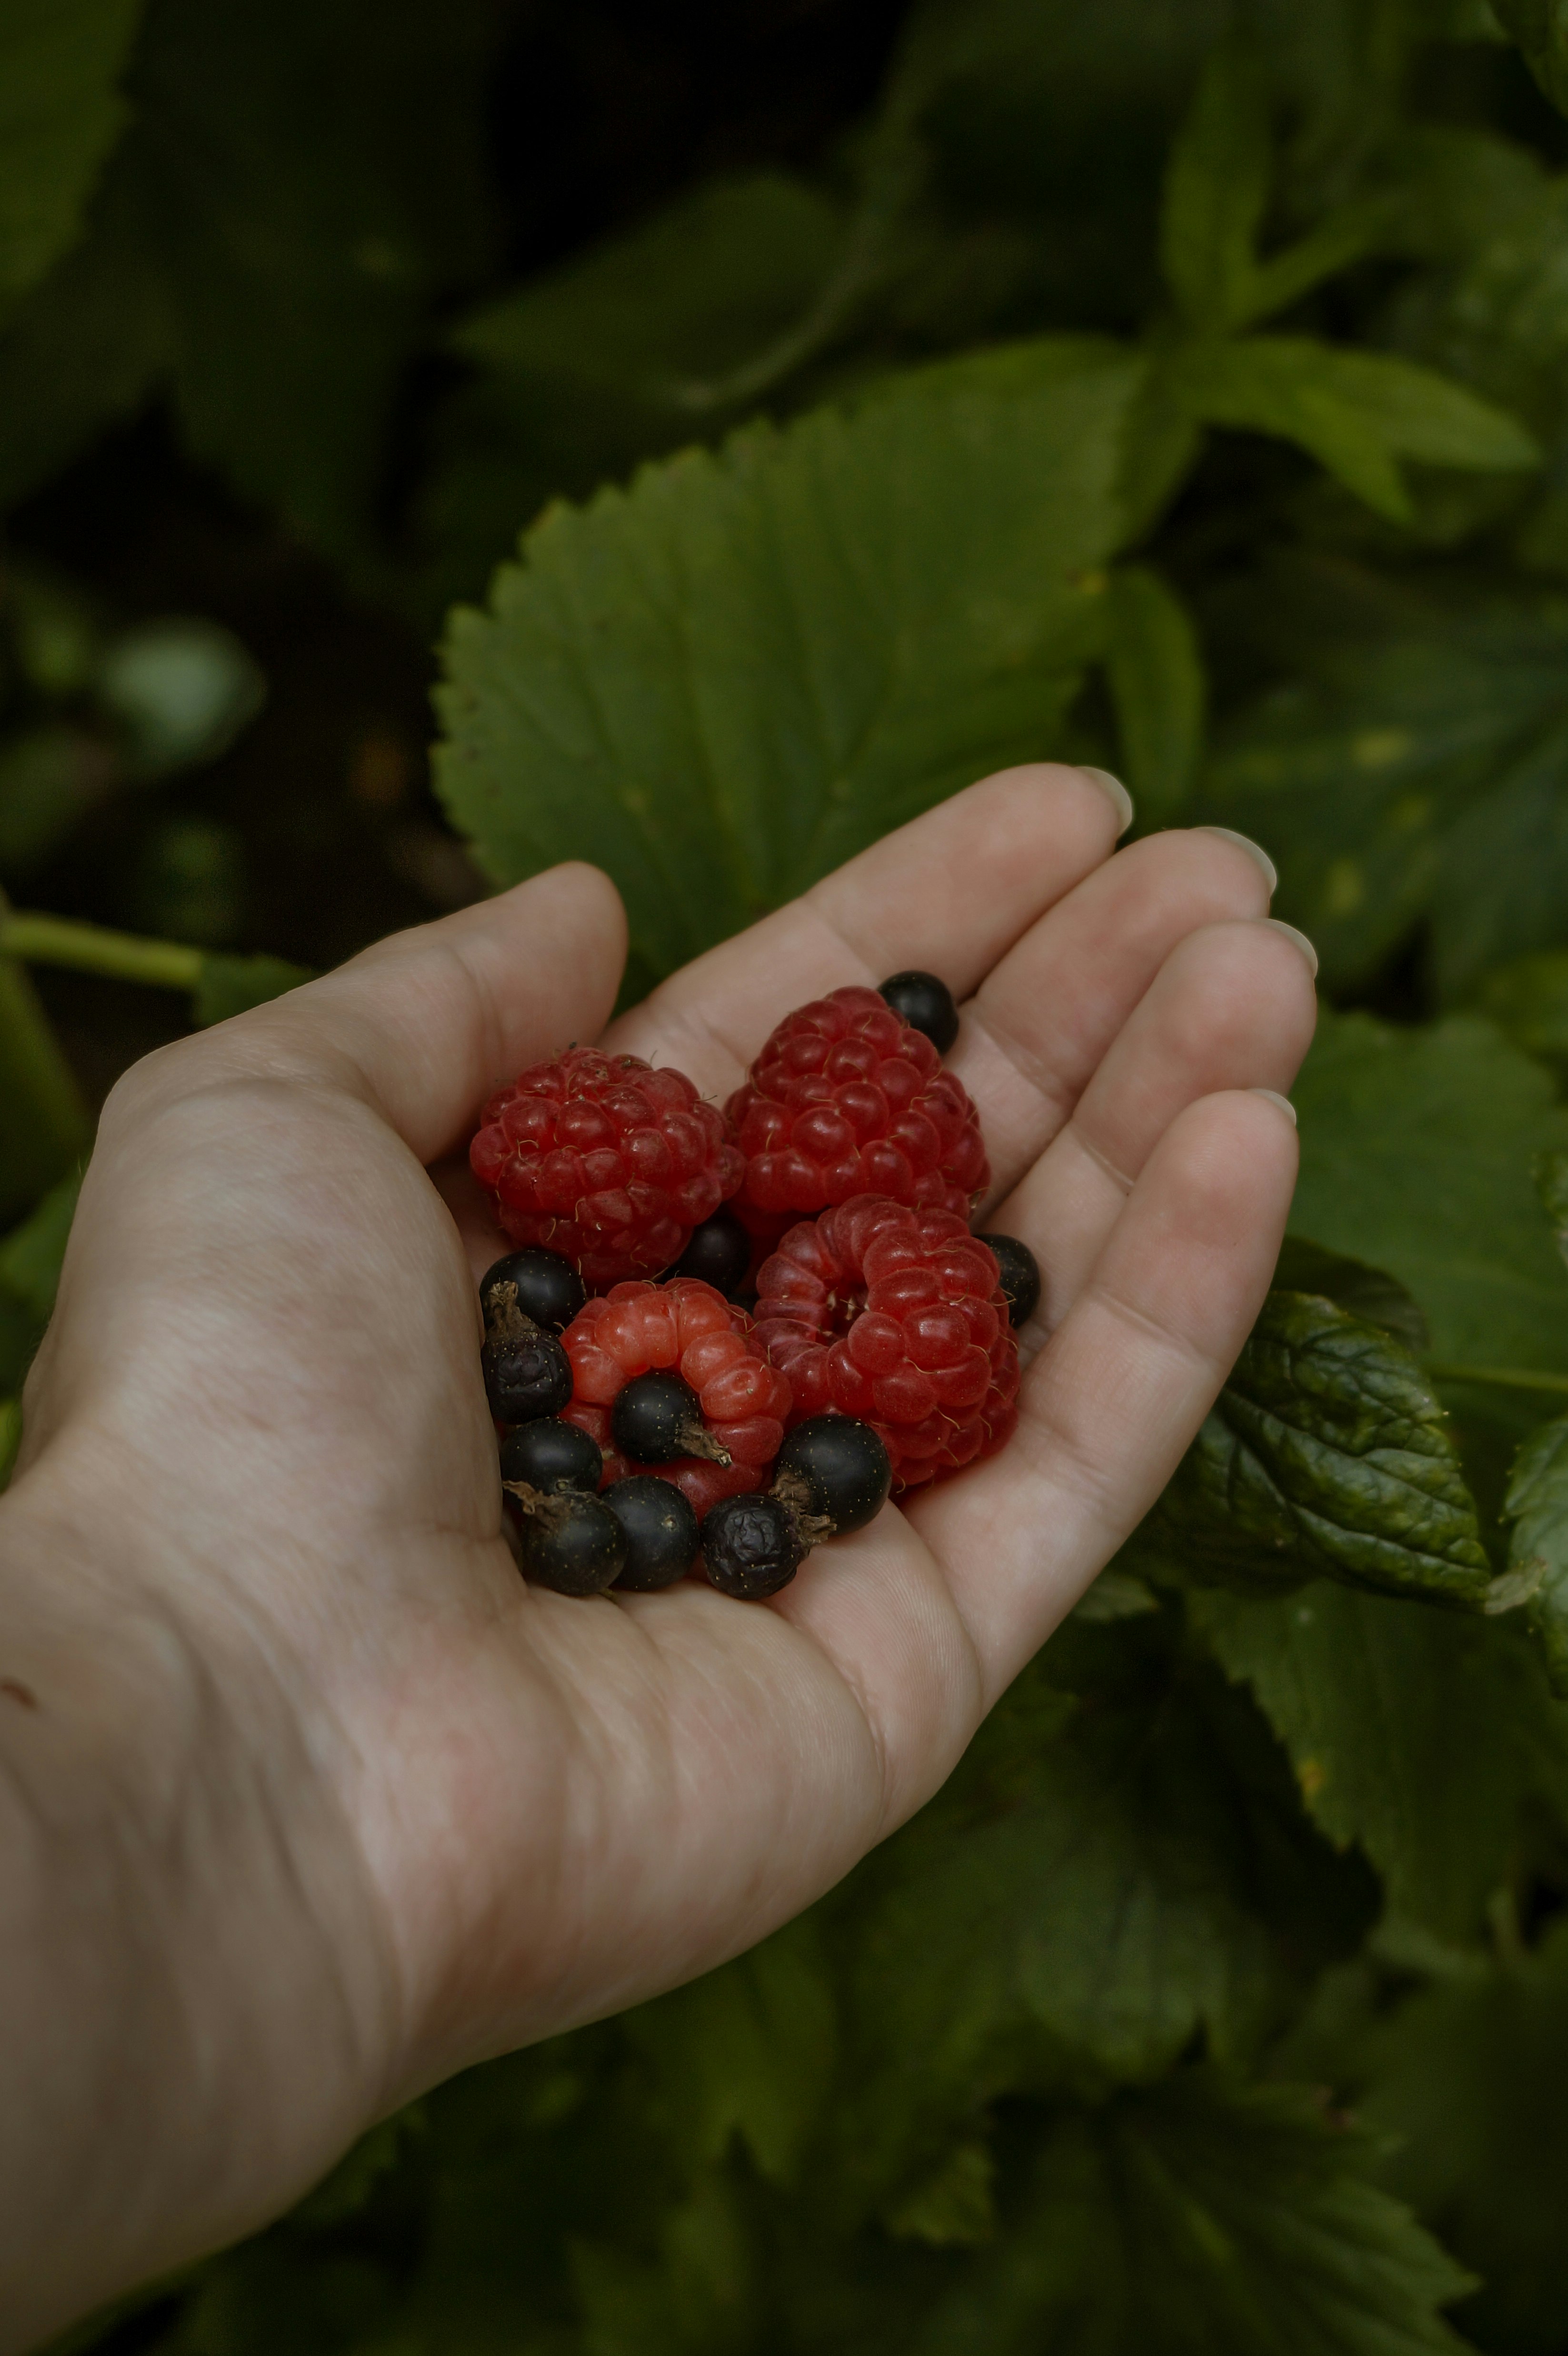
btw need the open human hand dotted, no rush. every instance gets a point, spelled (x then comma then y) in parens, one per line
(319, 1802)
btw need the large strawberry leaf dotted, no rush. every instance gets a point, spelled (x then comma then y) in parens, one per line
(1467, 2085)
(1414, 764)
(1112, 1873)
(1418, 1735)
(1203, 2219)
(1416, 1150)
(722, 682)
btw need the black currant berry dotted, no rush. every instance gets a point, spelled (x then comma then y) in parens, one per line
(569, 1541)
(835, 1467)
(657, 1418)
(718, 1251)
(549, 1454)
(545, 1287)
(752, 1547)
(659, 1527)
(527, 1374)
(1020, 1277)
(927, 1004)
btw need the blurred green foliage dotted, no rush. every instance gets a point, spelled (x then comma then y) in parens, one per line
(1178, 387)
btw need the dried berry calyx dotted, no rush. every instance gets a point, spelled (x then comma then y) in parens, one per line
(540, 1283)
(605, 1161)
(1018, 1271)
(687, 1329)
(847, 1099)
(895, 1316)
(568, 1540)
(527, 1372)
(660, 1528)
(657, 1417)
(752, 1547)
(926, 1006)
(836, 1472)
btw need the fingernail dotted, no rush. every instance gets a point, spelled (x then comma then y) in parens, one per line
(1254, 851)
(1302, 943)
(1118, 793)
(1275, 1098)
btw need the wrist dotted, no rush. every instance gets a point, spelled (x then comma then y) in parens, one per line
(194, 1984)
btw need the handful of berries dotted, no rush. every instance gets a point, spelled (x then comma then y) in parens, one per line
(790, 1318)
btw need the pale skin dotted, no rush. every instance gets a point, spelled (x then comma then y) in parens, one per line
(307, 1800)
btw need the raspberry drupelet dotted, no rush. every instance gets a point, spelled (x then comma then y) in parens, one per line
(692, 1331)
(896, 1316)
(604, 1159)
(846, 1099)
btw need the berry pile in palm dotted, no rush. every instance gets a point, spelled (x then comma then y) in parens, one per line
(654, 1424)
(848, 1099)
(895, 1316)
(605, 1161)
(671, 1379)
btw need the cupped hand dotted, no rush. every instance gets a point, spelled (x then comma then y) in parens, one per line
(396, 1810)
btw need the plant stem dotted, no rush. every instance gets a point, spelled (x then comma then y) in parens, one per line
(92, 948)
(44, 1120)
(1509, 1378)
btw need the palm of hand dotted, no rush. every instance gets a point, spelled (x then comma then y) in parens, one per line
(269, 1330)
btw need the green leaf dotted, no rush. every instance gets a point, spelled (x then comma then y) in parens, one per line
(621, 354)
(30, 1259)
(296, 187)
(1421, 1736)
(1467, 2087)
(1107, 1878)
(1343, 238)
(1528, 1000)
(1366, 1292)
(32, 1254)
(1537, 27)
(955, 2206)
(1158, 683)
(44, 1123)
(1203, 2219)
(1216, 189)
(1327, 1452)
(748, 2050)
(89, 344)
(1416, 1154)
(726, 681)
(1359, 413)
(1415, 765)
(232, 985)
(699, 2299)
(60, 112)
(1537, 1504)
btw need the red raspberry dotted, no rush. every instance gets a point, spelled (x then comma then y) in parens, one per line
(847, 1099)
(605, 1161)
(896, 1316)
(687, 1326)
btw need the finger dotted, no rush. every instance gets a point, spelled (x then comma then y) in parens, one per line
(473, 1214)
(1118, 1392)
(1233, 1007)
(426, 1024)
(949, 892)
(1040, 1024)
